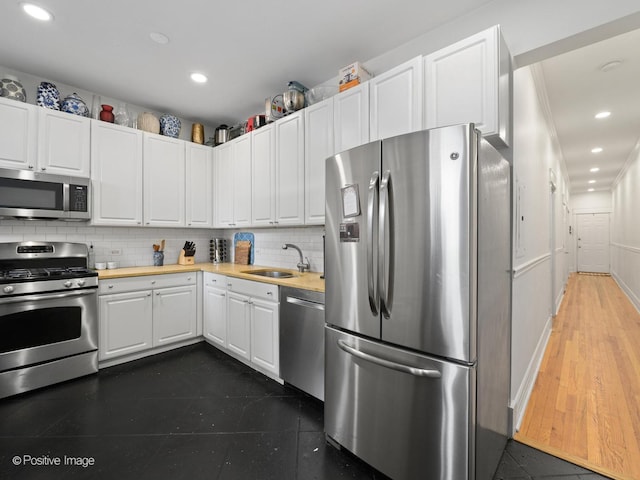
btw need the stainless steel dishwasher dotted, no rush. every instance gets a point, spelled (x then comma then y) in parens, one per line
(302, 339)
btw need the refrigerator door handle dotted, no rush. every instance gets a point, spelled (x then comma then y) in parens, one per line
(372, 203)
(385, 245)
(417, 372)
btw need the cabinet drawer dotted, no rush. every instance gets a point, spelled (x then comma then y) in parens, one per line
(215, 280)
(129, 284)
(253, 289)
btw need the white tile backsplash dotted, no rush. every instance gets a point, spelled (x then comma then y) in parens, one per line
(136, 244)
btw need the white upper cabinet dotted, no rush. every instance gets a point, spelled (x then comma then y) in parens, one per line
(18, 134)
(263, 175)
(351, 118)
(290, 169)
(318, 145)
(64, 143)
(116, 174)
(164, 181)
(199, 191)
(469, 82)
(396, 100)
(232, 182)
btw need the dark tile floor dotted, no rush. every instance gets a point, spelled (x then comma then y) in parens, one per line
(193, 413)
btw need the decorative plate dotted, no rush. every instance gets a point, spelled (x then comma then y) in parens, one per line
(170, 126)
(10, 87)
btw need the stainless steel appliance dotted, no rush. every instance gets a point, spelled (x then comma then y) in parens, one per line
(417, 304)
(48, 315)
(33, 195)
(302, 339)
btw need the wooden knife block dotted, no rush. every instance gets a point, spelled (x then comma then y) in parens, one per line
(182, 260)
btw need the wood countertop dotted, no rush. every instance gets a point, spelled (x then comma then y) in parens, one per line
(305, 281)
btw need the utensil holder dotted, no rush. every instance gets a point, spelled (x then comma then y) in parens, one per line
(184, 260)
(158, 259)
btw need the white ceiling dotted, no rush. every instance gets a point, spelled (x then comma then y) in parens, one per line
(577, 89)
(248, 49)
(251, 49)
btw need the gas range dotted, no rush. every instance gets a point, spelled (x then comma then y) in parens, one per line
(48, 315)
(36, 267)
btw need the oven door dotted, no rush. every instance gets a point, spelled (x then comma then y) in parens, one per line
(43, 327)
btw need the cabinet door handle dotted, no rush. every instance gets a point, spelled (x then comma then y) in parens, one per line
(270, 293)
(30, 167)
(110, 286)
(44, 169)
(149, 294)
(153, 282)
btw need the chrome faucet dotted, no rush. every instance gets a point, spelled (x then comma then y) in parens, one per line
(302, 266)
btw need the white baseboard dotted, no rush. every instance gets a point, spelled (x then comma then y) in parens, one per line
(628, 292)
(526, 387)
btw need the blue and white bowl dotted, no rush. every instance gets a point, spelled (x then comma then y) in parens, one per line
(48, 96)
(10, 87)
(75, 105)
(170, 126)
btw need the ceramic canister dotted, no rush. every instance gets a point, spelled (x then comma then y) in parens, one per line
(75, 105)
(148, 122)
(48, 96)
(10, 87)
(170, 125)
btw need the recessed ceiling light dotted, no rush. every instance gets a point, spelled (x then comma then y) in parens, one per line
(603, 114)
(592, 181)
(199, 77)
(596, 150)
(37, 12)
(158, 37)
(595, 169)
(591, 190)
(610, 65)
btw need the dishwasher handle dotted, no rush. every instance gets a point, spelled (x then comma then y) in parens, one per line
(305, 303)
(418, 372)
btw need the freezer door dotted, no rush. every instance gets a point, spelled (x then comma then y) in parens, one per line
(427, 262)
(352, 182)
(408, 415)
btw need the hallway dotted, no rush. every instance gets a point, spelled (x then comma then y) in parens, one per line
(585, 405)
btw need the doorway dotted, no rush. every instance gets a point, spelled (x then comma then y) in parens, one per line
(593, 242)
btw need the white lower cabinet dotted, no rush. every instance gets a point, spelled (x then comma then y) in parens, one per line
(174, 314)
(140, 314)
(238, 325)
(215, 309)
(253, 320)
(126, 324)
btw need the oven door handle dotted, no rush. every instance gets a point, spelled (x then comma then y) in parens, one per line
(48, 296)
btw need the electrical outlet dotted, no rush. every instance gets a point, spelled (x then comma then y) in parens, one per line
(116, 251)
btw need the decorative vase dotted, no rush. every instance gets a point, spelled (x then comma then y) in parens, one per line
(48, 96)
(148, 122)
(10, 87)
(122, 115)
(106, 115)
(170, 126)
(197, 133)
(75, 105)
(158, 259)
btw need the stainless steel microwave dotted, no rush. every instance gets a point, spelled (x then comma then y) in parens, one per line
(34, 195)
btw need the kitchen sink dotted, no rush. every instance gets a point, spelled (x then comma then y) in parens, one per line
(270, 273)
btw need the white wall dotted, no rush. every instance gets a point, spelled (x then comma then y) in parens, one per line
(537, 161)
(591, 202)
(625, 231)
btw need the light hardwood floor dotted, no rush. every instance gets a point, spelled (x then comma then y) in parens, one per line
(585, 405)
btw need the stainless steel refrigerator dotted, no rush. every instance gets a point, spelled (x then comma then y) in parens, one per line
(417, 336)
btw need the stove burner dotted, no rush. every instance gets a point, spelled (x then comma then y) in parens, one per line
(45, 273)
